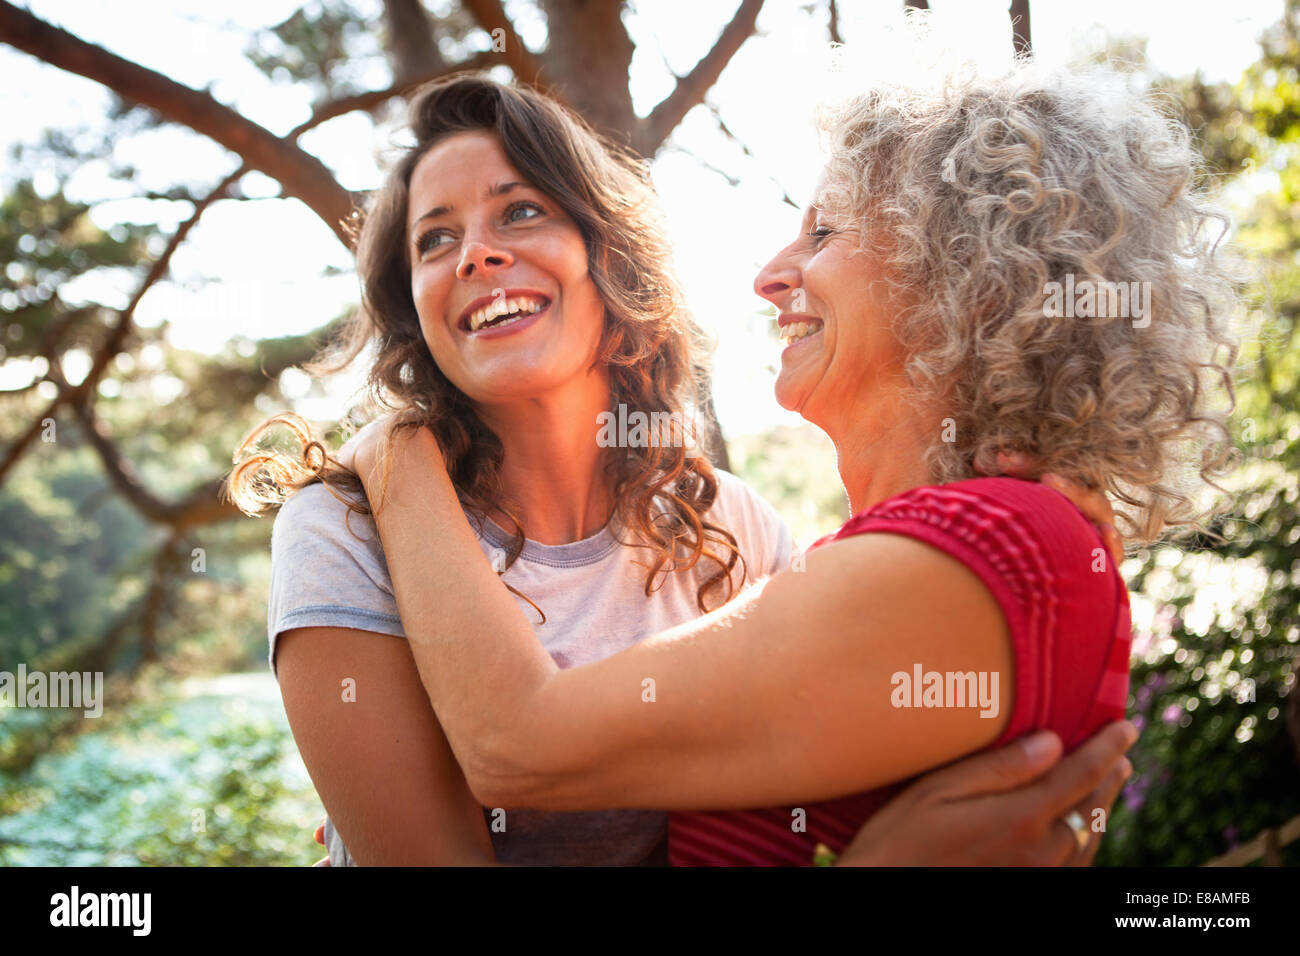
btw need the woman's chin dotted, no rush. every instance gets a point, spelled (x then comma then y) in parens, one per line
(789, 393)
(510, 380)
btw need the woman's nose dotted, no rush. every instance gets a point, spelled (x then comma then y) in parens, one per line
(478, 257)
(775, 281)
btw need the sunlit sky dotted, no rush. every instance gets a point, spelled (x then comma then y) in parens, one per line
(269, 253)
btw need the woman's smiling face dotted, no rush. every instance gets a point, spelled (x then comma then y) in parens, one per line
(498, 275)
(836, 314)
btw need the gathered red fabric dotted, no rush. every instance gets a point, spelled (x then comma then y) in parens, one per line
(1067, 613)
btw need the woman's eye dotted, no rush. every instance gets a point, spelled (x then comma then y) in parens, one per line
(513, 214)
(820, 233)
(430, 240)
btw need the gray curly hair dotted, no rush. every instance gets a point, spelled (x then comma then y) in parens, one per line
(980, 193)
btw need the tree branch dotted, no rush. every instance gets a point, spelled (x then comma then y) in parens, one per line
(373, 98)
(744, 148)
(301, 174)
(833, 26)
(732, 181)
(120, 471)
(26, 746)
(491, 15)
(168, 556)
(692, 87)
(21, 443)
(200, 506)
(126, 318)
(75, 394)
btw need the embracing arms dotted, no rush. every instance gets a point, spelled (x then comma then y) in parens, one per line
(996, 808)
(782, 695)
(397, 795)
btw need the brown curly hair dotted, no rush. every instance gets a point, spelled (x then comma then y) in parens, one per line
(653, 348)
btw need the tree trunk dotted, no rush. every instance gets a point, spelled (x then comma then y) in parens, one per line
(587, 61)
(1020, 37)
(412, 46)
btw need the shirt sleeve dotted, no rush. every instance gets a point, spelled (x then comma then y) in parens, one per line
(1065, 606)
(327, 569)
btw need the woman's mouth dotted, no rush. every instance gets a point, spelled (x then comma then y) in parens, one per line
(793, 333)
(502, 312)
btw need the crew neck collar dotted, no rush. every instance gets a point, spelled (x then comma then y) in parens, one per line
(586, 551)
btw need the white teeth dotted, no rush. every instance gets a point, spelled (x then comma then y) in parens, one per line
(523, 304)
(796, 331)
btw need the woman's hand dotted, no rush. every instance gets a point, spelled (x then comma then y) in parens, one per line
(320, 838)
(366, 451)
(361, 452)
(1003, 808)
(1093, 504)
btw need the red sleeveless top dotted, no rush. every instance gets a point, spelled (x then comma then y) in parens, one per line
(1067, 613)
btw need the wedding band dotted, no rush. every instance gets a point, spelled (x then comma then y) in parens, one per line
(1077, 827)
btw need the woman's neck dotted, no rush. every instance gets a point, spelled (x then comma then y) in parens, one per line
(554, 470)
(883, 458)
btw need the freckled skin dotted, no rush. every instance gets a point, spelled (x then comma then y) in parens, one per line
(518, 240)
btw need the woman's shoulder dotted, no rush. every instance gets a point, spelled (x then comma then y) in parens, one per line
(995, 511)
(734, 492)
(1015, 493)
(1029, 544)
(327, 568)
(1065, 604)
(748, 515)
(321, 515)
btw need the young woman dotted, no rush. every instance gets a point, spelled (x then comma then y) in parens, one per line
(951, 612)
(515, 282)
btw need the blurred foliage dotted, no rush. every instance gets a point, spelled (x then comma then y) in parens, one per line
(793, 467)
(1214, 668)
(327, 45)
(78, 564)
(176, 414)
(86, 581)
(45, 243)
(151, 791)
(62, 531)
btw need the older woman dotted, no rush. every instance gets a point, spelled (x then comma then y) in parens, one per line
(951, 612)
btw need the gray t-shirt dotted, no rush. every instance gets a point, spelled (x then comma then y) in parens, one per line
(592, 592)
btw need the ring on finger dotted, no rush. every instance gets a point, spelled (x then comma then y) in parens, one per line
(1080, 829)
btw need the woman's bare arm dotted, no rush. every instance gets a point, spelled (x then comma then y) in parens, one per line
(785, 694)
(375, 751)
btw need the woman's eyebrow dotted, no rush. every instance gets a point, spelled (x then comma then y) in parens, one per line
(500, 189)
(433, 213)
